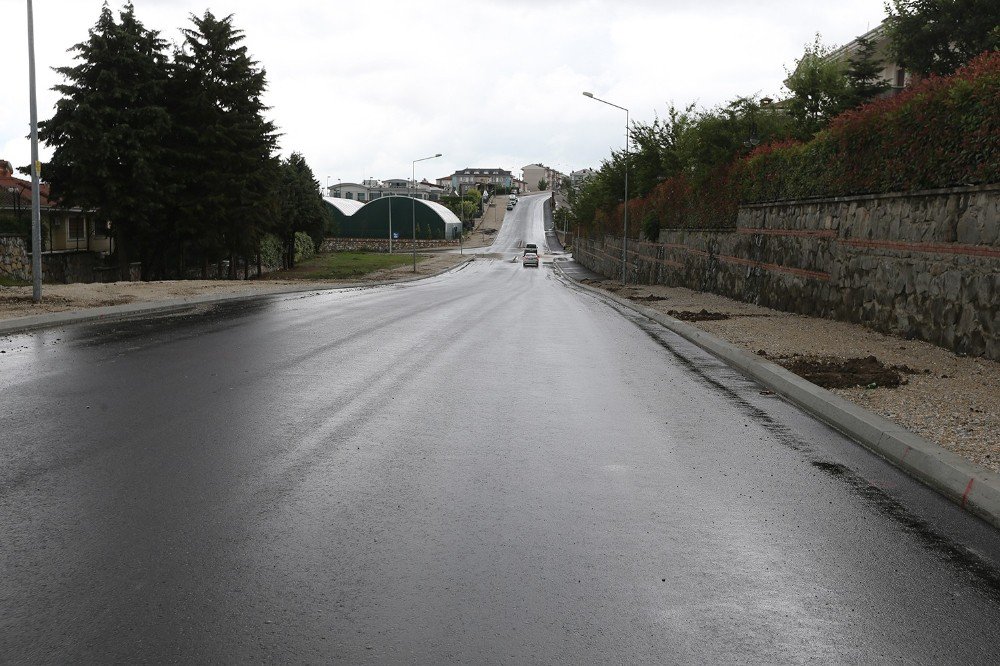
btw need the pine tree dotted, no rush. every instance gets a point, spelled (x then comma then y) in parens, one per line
(224, 143)
(864, 75)
(107, 132)
(301, 207)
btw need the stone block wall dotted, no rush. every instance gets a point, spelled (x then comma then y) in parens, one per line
(69, 267)
(923, 265)
(380, 244)
(15, 262)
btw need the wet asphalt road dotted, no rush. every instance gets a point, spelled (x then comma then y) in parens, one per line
(487, 466)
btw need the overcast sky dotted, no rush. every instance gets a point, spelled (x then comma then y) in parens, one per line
(362, 88)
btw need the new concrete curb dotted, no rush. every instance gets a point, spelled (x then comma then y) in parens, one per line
(973, 488)
(112, 312)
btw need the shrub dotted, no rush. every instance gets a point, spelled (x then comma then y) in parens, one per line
(270, 251)
(304, 246)
(940, 132)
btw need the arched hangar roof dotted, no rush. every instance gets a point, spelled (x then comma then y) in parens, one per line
(443, 212)
(344, 206)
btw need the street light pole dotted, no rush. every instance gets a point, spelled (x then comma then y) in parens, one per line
(625, 223)
(36, 167)
(413, 203)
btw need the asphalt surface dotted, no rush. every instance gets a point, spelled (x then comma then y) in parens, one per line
(486, 466)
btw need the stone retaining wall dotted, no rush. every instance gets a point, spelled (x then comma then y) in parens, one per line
(15, 262)
(380, 244)
(923, 265)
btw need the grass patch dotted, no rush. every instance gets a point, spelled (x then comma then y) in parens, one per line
(341, 265)
(6, 281)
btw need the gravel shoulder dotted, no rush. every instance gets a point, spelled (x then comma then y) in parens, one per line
(16, 301)
(950, 400)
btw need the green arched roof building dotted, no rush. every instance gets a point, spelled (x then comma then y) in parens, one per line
(371, 220)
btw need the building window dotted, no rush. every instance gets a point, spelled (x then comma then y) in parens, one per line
(900, 78)
(361, 196)
(76, 229)
(350, 195)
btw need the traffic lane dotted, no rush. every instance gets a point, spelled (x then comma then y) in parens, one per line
(135, 424)
(574, 548)
(464, 527)
(524, 224)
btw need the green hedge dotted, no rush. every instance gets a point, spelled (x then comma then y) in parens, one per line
(940, 132)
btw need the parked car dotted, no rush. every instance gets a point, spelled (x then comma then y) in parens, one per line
(510, 205)
(529, 259)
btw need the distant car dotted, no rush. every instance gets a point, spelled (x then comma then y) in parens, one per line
(510, 205)
(529, 259)
(531, 247)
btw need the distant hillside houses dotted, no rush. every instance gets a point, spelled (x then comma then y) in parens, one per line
(533, 173)
(481, 178)
(371, 189)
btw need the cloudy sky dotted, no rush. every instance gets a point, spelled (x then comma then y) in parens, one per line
(362, 88)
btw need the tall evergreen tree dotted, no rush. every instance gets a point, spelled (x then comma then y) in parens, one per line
(108, 128)
(224, 143)
(864, 75)
(301, 208)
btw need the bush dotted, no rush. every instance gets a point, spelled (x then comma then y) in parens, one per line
(270, 251)
(940, 132)
(304, 246)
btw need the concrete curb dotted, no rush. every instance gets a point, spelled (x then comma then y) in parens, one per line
(973, 488)
(113, 312)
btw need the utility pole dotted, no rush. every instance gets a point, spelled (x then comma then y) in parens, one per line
(36, 168)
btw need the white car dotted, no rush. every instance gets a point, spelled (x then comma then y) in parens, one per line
(529, 259)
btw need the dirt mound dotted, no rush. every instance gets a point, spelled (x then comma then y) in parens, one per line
(867, 372)
(703, 315)
(647, 298)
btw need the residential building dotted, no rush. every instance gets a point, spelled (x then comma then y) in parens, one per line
(896, 76)
(63, 228)
(533, 173)
(481, 179)
(579, 177)
(371, 189)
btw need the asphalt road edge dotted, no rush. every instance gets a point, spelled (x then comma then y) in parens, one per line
(113, 312)
(972, 487)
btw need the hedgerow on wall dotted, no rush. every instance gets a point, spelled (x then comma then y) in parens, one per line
(939, 132)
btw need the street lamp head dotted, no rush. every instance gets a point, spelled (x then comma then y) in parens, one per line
(588, 94)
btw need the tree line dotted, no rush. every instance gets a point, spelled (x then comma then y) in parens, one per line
(171, 146)
(695, 148)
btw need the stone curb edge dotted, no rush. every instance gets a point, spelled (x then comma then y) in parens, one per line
(113, 312)
(973, 488)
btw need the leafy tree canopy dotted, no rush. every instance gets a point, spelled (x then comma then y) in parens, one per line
(938, 36)
(819, 88)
